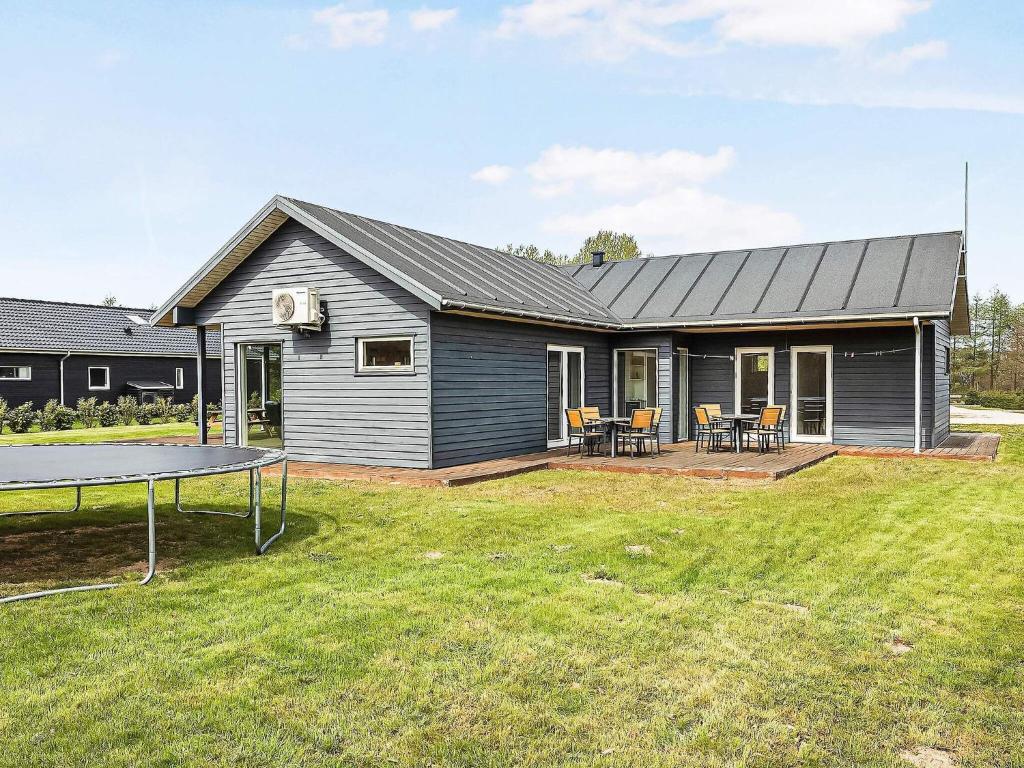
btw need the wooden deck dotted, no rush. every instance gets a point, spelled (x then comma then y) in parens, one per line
(678, 459)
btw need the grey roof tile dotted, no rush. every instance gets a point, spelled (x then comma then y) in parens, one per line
(65, 327)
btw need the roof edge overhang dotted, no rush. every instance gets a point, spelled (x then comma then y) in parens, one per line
(255, 232)
(960, 306)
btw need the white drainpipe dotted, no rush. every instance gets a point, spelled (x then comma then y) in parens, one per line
(917, 385)
(62, 377)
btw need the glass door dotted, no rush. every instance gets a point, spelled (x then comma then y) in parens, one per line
(565, 390)
(683, 393)
(636, 380)
(755, 378)
(811, 388)
(258, 395)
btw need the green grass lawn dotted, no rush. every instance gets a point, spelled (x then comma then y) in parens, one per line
(104, 434)
(555, 618)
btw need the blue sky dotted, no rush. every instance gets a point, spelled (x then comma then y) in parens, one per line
(138, 137)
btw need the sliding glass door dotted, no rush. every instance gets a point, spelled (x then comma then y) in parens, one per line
(755, 378)
(636, 380)
(683, 393)
(811, 388)
(565, 390)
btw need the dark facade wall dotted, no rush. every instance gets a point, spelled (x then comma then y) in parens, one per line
(873, 396)
(489, 385)
(941, 335)
(45, 383)
(330, 412)
(663, 343)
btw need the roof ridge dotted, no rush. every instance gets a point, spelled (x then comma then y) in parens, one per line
(77, 304)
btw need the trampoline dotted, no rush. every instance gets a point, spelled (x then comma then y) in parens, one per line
(80, 465)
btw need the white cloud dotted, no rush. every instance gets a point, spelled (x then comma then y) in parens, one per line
(614, 171)
(493, 174)
(426, 19)
(616, 28)
(685, 219)
(348, 28)
(903, 59)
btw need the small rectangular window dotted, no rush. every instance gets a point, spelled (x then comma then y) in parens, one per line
(179, 378)
(949, 363)
(386, 354)
(99, 378)
(16, 372)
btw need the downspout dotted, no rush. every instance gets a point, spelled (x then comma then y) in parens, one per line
(917, 384)
(62, 377)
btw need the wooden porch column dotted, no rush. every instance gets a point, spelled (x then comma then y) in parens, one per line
(204, 429)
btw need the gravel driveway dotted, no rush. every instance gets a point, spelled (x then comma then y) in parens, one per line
(959, 415)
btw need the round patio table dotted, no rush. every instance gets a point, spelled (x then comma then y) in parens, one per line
(613, 425)
(737, 420)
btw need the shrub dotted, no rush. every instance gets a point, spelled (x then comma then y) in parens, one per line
(106, 414)
(162, 408)
(21, 419)
(146, 414)
(3, 414)
(127, 409)
(181, 412)
(55, 417)
(994, 399)
(88, 411)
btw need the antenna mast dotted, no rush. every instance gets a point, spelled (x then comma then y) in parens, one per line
(965, 207)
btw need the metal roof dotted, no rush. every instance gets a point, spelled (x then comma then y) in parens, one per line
(871, 278)
(54, 326)
(844, 280)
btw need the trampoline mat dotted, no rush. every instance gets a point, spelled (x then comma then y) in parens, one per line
(71, 463)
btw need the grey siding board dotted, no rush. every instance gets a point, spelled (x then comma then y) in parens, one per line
(940, 430)
(489, 382)
(44, 384)
(330, 412)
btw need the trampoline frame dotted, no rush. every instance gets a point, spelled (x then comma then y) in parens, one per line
(253, 466)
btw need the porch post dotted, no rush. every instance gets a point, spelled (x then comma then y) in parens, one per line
(917, 385)
(201, 384)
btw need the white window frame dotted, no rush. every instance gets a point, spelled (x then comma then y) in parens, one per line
(18, 375)
(179, 378)
(362, 367)
(738, 356)
(563, 391)
(829, 395)
(106, 378)
(615, 376)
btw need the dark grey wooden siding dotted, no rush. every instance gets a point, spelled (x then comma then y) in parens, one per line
(489, 383)
(45, 383)
(330, 412)
(873, 396)
(941, 398)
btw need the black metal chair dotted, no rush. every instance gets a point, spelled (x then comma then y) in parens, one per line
(638, 432)
(272, 408)
(589, 435)
(711, 431)
(768, 427)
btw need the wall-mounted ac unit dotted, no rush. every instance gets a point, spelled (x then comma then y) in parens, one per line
(297, 308)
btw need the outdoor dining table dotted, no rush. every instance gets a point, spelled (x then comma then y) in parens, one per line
(613, 425)
(737, 420)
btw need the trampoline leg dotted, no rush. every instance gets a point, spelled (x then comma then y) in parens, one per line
(151, 515)
(177, 502)
(78, 506)
(264, 546)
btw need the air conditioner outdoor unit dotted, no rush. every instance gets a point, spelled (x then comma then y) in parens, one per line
(297, 308)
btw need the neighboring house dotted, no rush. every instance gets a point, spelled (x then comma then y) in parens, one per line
(437, 352)
(56, 350)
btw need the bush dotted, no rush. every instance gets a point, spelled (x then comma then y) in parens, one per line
(3, 414)
(55, 417)
(162, 408)
(88, 411)
(21, 419)
(127, 409)
(146, 414)
(181, 413)
(107, 415)
(1013, 401)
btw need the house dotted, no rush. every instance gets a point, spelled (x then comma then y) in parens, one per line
(62, 351)
(436, 352)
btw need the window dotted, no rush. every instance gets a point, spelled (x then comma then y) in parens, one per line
(948, 362)
(179, 378)
(636, 380)
(385, 354)
(16, 372)
(99, 378)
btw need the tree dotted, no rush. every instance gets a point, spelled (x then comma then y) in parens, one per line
(533, 252)
(617, 246)
(110, 300)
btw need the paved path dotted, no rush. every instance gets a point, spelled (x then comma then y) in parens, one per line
(984, 416)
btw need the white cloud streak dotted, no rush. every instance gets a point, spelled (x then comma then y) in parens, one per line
(493, 174)
(429, 19)
(349, 28)
(905, 58)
